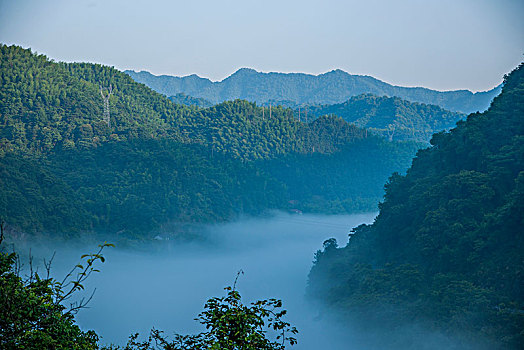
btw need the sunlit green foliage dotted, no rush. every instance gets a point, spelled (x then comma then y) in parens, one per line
(47, 106)
(32, 311)
(65, 170)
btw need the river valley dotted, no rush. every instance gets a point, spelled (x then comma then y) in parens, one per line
(136, 291)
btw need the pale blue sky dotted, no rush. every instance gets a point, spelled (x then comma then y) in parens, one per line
(444, 44)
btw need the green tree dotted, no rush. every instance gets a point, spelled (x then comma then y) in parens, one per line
(446, 250)
(32, 311)
(230, 325)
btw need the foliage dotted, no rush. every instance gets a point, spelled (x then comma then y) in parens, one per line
(391, 117)
(138, 186)
(32, 311)
(230, 325)
(303, 89)
(183, 99)
(46, 107)
(447, 247)
(340, 182)
(64, 170)
(34, 198)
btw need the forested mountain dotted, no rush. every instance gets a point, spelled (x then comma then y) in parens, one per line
(447, 249)
(64, 169)
(390, 117)
(135, 187)
(332, 87)
(183, 99)
(49, 106)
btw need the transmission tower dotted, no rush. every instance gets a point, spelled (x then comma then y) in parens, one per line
(105, 97)
(306, 118)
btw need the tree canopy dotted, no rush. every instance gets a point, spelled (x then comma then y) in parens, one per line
(391, 117)
(447, 248)
(64, 169)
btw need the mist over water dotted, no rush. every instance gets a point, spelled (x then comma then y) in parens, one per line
(167, 289)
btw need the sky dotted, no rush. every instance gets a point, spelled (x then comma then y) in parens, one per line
(439, 44)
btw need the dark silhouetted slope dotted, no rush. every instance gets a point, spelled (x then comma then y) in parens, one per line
(447, 249)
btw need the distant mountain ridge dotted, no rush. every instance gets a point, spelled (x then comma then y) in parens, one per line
(332, 87)
(390, 117)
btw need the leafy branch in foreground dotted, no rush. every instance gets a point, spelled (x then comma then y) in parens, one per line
(31, 312)
(64, 290)
(230, 325)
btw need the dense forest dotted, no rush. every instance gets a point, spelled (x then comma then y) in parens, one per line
(65, 169)
(48, 106)
(183, 99)
(135, 187)
(390, 117)
(445, 251)
(332, 87)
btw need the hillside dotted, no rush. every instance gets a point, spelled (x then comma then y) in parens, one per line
(137, 188)
(47, 106)
(183, 99)
(158, 164)
(329, 88)
(390, 117)
(446, 250)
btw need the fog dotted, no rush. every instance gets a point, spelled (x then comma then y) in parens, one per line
(167, 288)
(166, 284)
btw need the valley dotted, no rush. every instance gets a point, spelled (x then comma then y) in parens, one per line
(195, 181)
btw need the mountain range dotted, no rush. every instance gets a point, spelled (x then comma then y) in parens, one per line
(65, 168)
(332, 87)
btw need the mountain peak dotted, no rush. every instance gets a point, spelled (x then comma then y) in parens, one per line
(245, 71)
(337, 72)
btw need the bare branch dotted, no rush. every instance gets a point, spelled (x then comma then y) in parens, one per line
(236, 278)
(74, 284)
(2, 224)
(48, 264)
